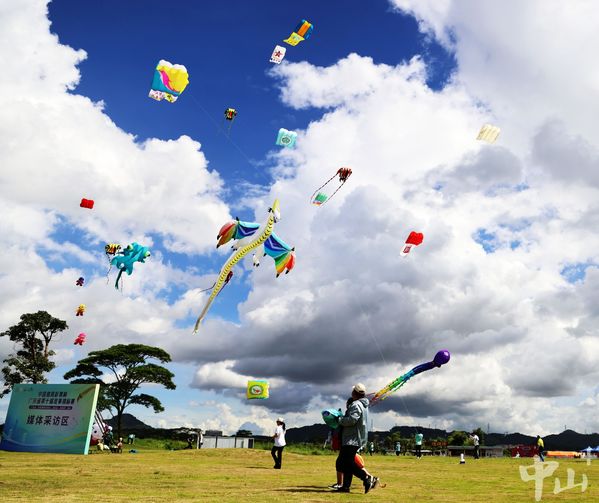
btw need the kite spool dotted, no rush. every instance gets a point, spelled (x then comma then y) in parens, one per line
(462, 460)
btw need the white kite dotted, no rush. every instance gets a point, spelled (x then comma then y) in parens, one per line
(488, 133)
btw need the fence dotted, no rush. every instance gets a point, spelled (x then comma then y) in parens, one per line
(227, 442)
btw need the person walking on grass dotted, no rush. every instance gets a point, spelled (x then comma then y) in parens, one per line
(354, 436)
(279, 438)
(541, 448)
(476, 442)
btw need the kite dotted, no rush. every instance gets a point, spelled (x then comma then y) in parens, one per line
(278, 54)
(488, 133)
(87, 203)
(80, 339)
(112, 248)
(244, 233)
(125, 260)
(169, 81)
(230, 114)
(286, 138)
(414, 239)
(257, 390)
(80, 310)
(302, 32)
(319, 198)
(441, 358)
(331, 416)
(80, 281)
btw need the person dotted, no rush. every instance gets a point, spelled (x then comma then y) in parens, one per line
(371, 448)
(131, 439)
(201, 439)
(189, 442)
(475, 441)
(418, 441)
(353, 437)
(279, 438)
(119, 446)
(541, 447)
(397, 448)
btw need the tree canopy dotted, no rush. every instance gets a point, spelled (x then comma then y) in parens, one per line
(129, 369)
(33, 334)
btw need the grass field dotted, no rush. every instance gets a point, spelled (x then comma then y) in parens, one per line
(240, 475)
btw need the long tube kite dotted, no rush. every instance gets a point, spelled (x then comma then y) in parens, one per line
(244, 232)
(441, 358)
(331, 416)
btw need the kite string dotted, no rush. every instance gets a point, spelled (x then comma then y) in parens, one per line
(219, 128)
(373, 337)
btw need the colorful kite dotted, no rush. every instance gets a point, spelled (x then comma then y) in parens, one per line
(87, 203)
(80, 310)
(125, 260)
(80, 281)
(243, 232)
(278, 54)
(488, 133)
(441, 358)
(414, 239)
(169, 81)
(112, 248)
(319, 198)
(286, 138)
(80, 339)
(331, 416)
(281, 252)
(257, 390)
(302, 32)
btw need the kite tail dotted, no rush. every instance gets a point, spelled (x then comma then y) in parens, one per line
(118, 278)
(236, 257)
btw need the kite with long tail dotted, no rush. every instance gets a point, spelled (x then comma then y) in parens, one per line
(331, 416)
(244, 232)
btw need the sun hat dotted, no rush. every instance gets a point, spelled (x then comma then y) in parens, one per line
(359, 388)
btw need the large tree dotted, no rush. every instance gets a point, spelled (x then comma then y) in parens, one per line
(129, 367)
(33, 335)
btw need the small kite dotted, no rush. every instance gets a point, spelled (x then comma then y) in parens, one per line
(230, 114)
(125, 260)
(80, 310)
(488, 133)
(286, 138)
(319, 198)
(278, 54)
(244, 233)
(112, 248)
(87, 203)
(80, 281)
(414, 239)
(281, 253)
(169, 81)
(302, 32)
(257, 390)
(80, 339)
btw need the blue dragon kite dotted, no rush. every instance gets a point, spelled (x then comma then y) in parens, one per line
(124, 261)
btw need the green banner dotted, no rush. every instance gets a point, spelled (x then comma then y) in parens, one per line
(50, 418)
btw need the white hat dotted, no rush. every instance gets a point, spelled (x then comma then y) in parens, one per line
(359, 388)
(280, 420)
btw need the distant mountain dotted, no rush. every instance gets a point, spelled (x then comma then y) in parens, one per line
(129, 422)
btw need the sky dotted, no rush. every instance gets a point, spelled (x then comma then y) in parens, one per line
(397, 90)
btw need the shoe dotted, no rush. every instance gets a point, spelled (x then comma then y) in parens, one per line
(334, 486)
(343, 490)
(277, 467)
(375, 483)
(368, 483)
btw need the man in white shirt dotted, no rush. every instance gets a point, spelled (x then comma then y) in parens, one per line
(475, 441)
(279, 438)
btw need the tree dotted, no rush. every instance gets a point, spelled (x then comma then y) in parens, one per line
(33, 334)
(128, 364)
(243, 433)
(457, 438)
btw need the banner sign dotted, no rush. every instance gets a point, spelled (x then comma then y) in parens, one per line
(50, 418)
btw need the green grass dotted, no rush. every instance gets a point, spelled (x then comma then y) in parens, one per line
(246, 475)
